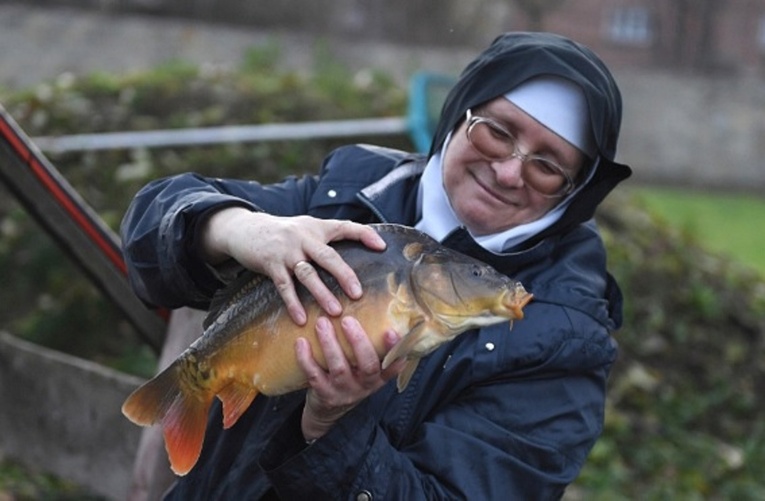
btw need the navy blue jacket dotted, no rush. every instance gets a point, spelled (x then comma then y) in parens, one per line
(500, 413)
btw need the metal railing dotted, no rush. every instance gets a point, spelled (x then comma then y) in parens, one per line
(224, 134)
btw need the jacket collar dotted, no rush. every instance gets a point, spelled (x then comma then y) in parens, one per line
(391, 198)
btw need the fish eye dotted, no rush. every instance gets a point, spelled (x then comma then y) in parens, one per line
(477, 272)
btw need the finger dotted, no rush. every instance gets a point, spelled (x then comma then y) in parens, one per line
(367, 360)
(390, 339)
(286, 289)
(307, 275)
(372, 239)
(349, 230)
(329, 259)
(337, 363)
(363, 233)
(308, 364)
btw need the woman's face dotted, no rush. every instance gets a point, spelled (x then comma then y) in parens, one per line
(491, 196)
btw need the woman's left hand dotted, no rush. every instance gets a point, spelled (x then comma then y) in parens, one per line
(338, 389)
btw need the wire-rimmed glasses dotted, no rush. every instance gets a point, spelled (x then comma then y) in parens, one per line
(495, 143)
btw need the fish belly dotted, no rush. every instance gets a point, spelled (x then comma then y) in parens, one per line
(264, 354)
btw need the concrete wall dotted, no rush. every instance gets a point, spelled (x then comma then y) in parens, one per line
(686, 130)
(60, 414)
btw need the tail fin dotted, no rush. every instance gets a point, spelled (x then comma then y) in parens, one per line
(182, 414)
(184, 430)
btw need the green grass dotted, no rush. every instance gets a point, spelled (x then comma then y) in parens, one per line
(725, 223)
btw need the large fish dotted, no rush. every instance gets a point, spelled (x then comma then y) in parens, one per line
(426, 292)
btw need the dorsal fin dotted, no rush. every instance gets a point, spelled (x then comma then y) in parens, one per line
(230, 294)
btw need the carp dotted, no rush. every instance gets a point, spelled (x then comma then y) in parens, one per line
(424, 291)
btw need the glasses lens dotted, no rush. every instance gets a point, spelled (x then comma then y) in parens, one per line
(491, 142)
(494, 143)
(544, 176)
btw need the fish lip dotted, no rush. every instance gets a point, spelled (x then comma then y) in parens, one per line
(516, 299)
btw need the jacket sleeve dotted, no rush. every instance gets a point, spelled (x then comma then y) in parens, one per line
(479, 431)
(159, 231)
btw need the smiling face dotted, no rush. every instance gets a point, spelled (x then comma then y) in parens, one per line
(491, 196)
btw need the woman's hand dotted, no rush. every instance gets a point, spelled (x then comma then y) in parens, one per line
(338, 389)
(283, 248)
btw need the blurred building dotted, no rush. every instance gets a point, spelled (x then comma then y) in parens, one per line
(705, 35)
(691, 71)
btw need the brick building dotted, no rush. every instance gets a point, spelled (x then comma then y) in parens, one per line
(704, 35)
(720, 36)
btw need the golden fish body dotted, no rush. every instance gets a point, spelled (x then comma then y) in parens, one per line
(427, 293)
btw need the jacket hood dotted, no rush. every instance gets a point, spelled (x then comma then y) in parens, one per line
(513, 58)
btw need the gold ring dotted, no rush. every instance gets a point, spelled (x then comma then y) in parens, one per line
(298, 264)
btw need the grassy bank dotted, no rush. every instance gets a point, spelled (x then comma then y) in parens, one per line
(726, 223)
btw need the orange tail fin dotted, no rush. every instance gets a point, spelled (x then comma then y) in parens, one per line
(184, 430)
(182, 414)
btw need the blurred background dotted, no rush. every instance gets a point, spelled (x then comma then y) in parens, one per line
(685, 234)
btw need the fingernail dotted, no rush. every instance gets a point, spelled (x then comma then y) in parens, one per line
(335, 308)
(299, 317)
(391, 337)
(322, 323)
(348, 322)
(356, 290)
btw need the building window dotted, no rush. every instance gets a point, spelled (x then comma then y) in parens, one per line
(629, 26)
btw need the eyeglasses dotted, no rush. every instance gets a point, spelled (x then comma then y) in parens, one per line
(496, 144)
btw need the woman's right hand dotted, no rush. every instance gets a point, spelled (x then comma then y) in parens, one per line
(283, 248)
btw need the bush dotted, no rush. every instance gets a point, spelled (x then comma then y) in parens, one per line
(58, 307)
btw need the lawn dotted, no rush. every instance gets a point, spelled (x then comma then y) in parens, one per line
(726, 223)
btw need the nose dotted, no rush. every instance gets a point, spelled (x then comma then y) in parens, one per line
(509, 172)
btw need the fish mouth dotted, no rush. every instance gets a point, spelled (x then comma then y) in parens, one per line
(516, 299)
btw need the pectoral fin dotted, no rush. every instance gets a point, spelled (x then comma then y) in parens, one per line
(405, 346)
(406, 349)
(406, 374)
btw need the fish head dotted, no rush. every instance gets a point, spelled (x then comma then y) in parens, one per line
(461, 293)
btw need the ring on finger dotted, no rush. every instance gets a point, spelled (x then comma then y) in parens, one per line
(300, 264)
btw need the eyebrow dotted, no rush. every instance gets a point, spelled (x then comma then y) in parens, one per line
(570, 165)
